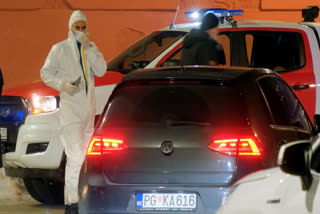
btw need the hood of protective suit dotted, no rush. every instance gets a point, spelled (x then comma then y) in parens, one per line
(194, 37)
(77, 15)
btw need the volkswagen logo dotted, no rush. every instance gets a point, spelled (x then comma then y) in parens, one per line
(167, 147)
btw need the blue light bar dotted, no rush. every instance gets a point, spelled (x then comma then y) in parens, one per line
(235, 12)
(12, 113)
(216, 11)
(195, 15)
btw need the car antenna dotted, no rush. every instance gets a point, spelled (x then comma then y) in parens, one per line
(175, 16)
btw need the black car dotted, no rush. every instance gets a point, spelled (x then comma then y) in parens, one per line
(174, 139)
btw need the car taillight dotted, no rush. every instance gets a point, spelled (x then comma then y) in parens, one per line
(101, 145)
(236, 147)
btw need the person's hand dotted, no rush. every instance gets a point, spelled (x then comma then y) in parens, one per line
(68, 87)
(84, 40)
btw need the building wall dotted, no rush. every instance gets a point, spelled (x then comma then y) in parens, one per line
(30, 28)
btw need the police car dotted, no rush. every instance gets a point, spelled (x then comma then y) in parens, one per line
(30, 128)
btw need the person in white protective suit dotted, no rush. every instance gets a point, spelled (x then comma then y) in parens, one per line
(68, 62)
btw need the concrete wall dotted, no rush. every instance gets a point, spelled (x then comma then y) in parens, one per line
(30, 28)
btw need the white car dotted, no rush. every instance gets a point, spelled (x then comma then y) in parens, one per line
(291, 188)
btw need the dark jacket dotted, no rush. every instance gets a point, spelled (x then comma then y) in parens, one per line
(198, 49)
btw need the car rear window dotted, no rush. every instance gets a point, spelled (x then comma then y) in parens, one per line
(157, 104)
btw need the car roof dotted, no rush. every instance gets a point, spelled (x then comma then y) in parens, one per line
(240, 24)
(197, 72)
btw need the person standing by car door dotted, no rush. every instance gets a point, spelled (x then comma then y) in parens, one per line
(70, 68)
(200, 46)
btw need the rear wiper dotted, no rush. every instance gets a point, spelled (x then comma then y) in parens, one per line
(185, 123)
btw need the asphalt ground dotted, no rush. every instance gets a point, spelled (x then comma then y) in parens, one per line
(29, 207)
(14, 199)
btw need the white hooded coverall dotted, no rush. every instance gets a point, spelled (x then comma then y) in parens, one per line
(77, 111)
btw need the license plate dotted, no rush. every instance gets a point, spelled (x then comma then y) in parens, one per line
(167, 201)
(4, 134)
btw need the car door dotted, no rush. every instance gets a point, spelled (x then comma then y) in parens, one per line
(313, 194)
(299, 201)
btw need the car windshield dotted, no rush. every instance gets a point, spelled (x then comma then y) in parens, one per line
(144, 51)
(145, 105)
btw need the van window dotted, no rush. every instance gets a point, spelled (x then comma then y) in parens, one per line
(175, 58)
(280, 51)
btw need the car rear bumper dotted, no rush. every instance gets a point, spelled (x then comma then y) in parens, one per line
(123, 199)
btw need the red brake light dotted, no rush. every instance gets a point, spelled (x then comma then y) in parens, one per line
(100, 145)
(236, 147)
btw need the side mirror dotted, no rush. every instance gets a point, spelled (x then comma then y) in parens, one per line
(316, 123)
(295, 158)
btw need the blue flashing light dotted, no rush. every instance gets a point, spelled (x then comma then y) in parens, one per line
(189, 14)
(12, 113)
(195, 15)
(235, 13)
(216, 11)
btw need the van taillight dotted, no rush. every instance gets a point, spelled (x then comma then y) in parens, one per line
(102, 145)
(236, 147)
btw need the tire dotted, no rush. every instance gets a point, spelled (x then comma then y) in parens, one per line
(29, 186)
(45, 191)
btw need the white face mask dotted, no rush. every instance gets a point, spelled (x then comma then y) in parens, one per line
(76, 35)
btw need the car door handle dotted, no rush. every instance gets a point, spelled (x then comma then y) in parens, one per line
(300, 87)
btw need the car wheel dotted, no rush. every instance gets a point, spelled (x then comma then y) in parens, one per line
(45, 191)
(29, 186)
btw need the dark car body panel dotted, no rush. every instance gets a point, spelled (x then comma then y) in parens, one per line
(236, 107)
(191, 162)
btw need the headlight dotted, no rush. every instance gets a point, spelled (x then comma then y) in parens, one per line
(42, 104)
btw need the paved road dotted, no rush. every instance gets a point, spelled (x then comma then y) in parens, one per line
(29, 207)
(14, 199)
